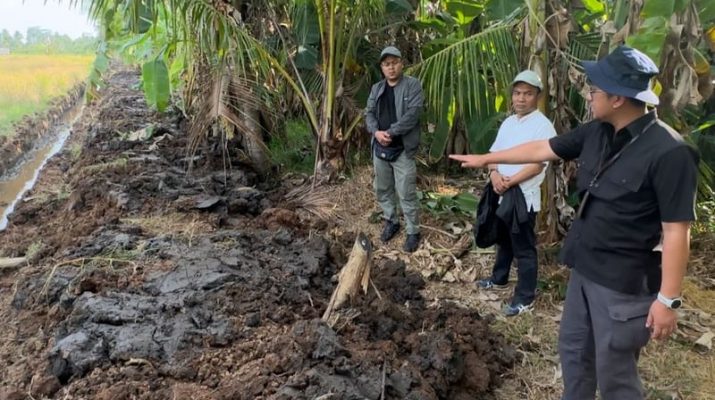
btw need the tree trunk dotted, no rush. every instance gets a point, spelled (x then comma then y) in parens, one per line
(252, 139)
(353, 277)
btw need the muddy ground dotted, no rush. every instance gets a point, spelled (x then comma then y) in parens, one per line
(144, 282)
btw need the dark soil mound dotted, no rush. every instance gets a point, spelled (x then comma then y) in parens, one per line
(112, 308)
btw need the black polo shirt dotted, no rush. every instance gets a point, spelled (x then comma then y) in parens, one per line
(653, 181)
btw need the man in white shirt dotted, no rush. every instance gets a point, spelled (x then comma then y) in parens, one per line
(519, 241)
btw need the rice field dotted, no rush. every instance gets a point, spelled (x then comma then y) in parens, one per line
(29, 82)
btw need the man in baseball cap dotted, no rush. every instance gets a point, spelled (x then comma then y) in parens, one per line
(637, 182)
(392, 118)
(519, 188)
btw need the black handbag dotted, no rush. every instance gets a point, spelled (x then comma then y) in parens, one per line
(388, 153)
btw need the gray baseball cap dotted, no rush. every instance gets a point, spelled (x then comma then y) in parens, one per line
(529, 77)
(390, 51)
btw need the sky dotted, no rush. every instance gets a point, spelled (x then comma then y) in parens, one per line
(57, 16)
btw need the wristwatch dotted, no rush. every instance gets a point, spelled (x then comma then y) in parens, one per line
(673, 304)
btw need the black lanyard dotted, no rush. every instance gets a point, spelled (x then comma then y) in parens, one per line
(604, 166)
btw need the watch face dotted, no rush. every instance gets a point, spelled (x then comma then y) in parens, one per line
(676, 304)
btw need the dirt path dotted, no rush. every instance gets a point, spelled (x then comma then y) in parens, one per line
(143, 283)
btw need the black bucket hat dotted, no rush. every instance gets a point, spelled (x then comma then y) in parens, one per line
(625, 72)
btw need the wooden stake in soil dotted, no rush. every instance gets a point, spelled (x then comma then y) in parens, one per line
(354, 275)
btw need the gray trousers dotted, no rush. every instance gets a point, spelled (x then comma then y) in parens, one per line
(393, 179)
(602, 332)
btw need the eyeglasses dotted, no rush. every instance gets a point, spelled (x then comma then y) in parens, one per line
(592, 91)
(391, 64)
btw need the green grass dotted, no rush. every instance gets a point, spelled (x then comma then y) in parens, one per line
(293, 149)
(29, 82)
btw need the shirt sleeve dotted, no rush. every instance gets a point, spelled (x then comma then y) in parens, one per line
(547, 131)
(569, 145)
(675, 177)
(371, 111)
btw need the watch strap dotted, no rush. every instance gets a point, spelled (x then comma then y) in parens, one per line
(667, 301)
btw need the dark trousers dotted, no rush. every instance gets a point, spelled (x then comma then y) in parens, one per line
(601, 334)
(522, 246)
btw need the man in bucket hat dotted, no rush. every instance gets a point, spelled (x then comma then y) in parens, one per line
(392, 117)
(637, 181)
(518, 184)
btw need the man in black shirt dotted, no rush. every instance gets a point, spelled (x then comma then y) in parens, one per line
(637, 180)
(392, 117)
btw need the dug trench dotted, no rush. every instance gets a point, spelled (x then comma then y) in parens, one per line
(145, 282)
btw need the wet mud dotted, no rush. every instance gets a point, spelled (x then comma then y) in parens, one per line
(222, 303)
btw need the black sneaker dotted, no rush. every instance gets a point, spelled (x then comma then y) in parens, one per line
(488, 284)
(389, 231)
(513, 310)
(412, 242)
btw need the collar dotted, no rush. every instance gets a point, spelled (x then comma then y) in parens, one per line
(525, 117)
(634, 128)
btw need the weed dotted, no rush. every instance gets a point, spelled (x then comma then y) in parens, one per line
(97, 168)
(33, 250)
(75, 150)
(293, 150)
(441, 203)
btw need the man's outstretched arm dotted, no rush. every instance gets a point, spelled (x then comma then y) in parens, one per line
(531, 152)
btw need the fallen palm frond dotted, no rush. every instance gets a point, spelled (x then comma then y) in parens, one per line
(319, 201)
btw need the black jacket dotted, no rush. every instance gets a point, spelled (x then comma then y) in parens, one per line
(485, 228)
(512, 211)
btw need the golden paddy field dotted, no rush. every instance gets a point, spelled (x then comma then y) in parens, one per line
(29, 82)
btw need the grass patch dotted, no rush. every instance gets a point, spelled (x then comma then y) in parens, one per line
(33, 250)
(176, 225)
(29, 82)
(115, 164)
(294, 149)
(75, 150)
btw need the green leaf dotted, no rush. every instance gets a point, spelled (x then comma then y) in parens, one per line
(482, 132)
(680, 5)
(398, 7)
(306, 28)
(306, 57)
(464, 11)
(433, 23)
(155, 77)
(466, 202)
(437, 45)
(178, 66)
(658, 8)
(706, 10)
(650, 37)
(441, 132)
(594, 6)
(101, 63)
(500, 9)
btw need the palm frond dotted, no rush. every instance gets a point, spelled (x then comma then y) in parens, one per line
(223, 110)
(318, 201)
(472, 72)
